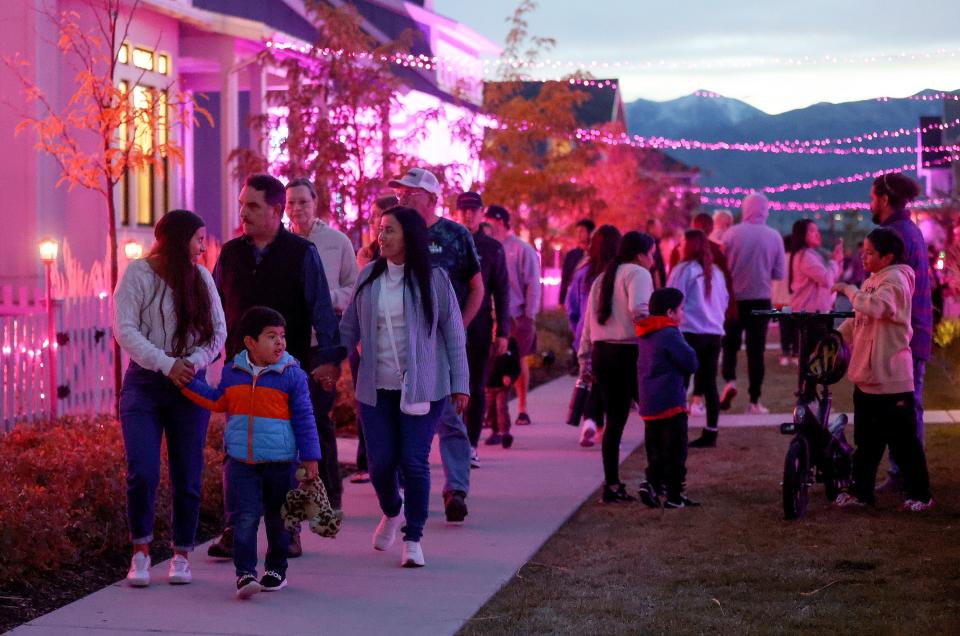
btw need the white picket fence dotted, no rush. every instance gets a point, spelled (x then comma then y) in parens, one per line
(82, 346)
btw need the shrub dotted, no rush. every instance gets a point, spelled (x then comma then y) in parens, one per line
(64, 496)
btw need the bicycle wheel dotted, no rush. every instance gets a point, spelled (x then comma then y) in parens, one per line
(796, 468)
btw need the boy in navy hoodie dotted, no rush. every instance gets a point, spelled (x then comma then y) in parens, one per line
(664, 364)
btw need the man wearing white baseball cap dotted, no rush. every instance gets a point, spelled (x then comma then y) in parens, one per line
(451, 248)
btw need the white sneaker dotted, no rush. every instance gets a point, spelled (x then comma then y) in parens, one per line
(588, 431)
(386, 532)
(915, 505)
(474, 458)
(412, 555)
(846, 500)
(139, 574)
(756, 408)
(697, 408)
(180, 573)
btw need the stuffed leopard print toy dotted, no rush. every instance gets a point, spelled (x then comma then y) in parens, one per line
(309, 503)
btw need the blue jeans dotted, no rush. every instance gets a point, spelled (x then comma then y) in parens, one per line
(395, 441)
(256, 489)
(455, 450)
(151, 406)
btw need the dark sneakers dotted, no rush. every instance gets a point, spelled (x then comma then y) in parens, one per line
(507, 440)
(523, 419)
(681, 502)
(455, 506)
(494, 439)
(707, 439)
(616, 494)
(223, 547)
(648, 495)
(272, 581)
(247, 586)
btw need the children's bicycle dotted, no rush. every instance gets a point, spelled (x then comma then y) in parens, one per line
(818, 452)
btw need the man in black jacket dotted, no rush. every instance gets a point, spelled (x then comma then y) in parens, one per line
(480, 331)
(273, 267)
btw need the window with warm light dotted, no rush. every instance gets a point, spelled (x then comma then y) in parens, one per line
(125, 179)
(123, 54)
(163, 64)
(143, 58)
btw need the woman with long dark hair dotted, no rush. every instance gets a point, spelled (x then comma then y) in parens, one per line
(705, 303)
(603, 247)
(168, 319)
(405, 317)
(608, 347)
(809, 279)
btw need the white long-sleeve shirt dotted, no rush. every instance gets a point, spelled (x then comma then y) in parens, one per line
(144, 320)
(339, 262)
(391, 301)
(632, 288)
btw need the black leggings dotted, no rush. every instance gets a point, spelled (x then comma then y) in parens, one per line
(707, 348)
(615, 372)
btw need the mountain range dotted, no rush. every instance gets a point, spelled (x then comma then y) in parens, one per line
(709, 117)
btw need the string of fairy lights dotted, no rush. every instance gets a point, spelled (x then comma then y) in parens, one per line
(726, 196)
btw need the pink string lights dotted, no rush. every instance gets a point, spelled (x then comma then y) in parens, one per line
(816, 206)
(815, 183)
(795, 146)
(488, 67)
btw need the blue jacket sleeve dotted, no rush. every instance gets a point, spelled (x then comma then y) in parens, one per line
(301, 416)
(205, 396)
(450, 325)
(682, 353)
(572, 302)
(322, 317)
(350, 321)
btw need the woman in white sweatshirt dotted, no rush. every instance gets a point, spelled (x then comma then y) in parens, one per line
(168, 319)
(608, 347)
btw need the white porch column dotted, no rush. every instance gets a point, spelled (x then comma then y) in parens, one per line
(229, 139)
(258, 104)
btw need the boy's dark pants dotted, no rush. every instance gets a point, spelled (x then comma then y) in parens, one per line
(256, 489)
(882, 420)
(498, 414)
(666, 442)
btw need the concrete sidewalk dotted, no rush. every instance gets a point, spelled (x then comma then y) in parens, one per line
(519, 498)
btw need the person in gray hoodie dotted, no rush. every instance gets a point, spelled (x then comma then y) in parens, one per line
(755, 256)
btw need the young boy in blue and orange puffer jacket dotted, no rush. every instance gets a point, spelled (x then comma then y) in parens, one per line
(664, 365)
(270, 426)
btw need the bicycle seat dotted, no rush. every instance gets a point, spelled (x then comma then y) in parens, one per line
(829, 360)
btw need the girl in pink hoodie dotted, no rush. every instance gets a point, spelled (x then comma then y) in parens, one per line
(881, 367)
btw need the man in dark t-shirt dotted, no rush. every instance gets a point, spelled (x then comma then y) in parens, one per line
(452, 248)
(480, 332)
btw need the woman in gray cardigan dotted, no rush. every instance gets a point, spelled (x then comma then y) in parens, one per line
(405, 316)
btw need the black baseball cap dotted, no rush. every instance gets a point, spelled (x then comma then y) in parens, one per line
(499, 213)
(469, 201)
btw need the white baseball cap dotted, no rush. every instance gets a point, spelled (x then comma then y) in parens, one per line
(418, 178)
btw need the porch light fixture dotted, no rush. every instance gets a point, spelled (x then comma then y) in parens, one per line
(48, 250)
(133, 250)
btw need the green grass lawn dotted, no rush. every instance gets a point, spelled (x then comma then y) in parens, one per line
(734, 566)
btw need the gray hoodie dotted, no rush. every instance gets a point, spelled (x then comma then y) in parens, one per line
(754, 251)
